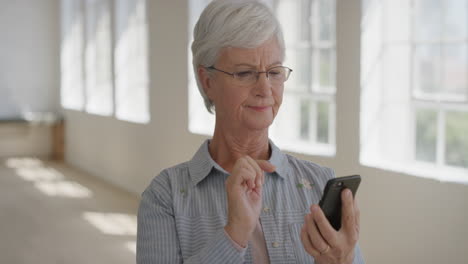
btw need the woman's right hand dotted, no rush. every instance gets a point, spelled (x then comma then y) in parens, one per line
(244, 194)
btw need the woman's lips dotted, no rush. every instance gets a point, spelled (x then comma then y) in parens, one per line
(260, 108)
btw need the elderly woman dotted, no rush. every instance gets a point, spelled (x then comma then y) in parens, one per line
(237, 200)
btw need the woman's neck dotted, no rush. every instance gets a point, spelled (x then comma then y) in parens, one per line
(227, 147)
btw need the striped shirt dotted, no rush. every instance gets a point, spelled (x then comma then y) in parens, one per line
(183, 212)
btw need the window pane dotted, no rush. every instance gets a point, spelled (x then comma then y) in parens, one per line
(305, 67)
(426, 68)
(300, 61)
(327, 69)
(98, 57)
(322, 121)
(305, 119)
(306, 20)
(327, 20)
(287, 13)
(366, 4)
(455, 70)
(131, 61)
(456, 139)
(456, 24)
(427, 19)
(426, 135)
(71, 55)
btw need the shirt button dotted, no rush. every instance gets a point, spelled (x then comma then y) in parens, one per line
(275, 244)
(266, 209)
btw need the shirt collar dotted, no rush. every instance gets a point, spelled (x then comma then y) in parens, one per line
(201, 164)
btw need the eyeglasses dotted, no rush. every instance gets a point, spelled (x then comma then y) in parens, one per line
(276, 75)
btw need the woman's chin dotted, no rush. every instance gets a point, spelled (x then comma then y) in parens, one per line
(259, 124)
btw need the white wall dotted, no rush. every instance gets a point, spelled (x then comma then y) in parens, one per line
(29, 61)
(404, 219)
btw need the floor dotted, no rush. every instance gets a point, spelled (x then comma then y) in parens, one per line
(51, 213)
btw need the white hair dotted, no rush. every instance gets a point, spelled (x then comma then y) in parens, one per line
(231, 23)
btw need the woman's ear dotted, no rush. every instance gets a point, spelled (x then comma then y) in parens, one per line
(205, 81)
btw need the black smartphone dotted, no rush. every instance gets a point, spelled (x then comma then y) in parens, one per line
(331, 199)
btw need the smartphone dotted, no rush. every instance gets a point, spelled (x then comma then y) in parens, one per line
(331, 199)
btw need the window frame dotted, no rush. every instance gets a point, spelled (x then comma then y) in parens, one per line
(441, 102)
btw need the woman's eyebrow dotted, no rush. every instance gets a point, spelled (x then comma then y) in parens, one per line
(255, 66)
(275, 64)
(244, 64)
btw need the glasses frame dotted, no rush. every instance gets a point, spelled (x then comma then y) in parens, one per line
(234, 74)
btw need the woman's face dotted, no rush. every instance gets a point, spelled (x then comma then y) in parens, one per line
(246, 106)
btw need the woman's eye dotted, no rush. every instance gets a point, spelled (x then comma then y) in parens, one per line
(275, 72)
(244, 74)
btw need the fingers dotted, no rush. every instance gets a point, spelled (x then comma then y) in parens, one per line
(328, 233)
(348, 215)
(357, 214)
(251, 171)
(317, 240)
(266, 166)
(259, 179)
(320, 238)
(305, 238)
(243, 173)
(259, 166)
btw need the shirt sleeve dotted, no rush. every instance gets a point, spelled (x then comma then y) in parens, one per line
(358, 258)
(157, 240)
(234, 243)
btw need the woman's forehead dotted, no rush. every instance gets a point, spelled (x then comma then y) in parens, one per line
(267, 54)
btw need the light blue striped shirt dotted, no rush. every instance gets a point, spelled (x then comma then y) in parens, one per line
(183, 212)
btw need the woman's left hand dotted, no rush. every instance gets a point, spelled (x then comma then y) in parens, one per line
(326, 244)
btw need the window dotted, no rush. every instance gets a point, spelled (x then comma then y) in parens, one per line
(131, 65)
(72, 52)
(98, 57)
(309, 96)
(414, 77)
(440, 81)
(96, 54)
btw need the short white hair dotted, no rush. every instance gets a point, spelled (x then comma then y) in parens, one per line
(231, 23)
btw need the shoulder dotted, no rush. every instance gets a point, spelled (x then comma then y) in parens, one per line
(168, 180)
(310, 171)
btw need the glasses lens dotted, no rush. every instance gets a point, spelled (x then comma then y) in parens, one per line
(246, 77)
(276, 75)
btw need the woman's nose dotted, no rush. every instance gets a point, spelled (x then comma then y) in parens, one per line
(263, 86)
